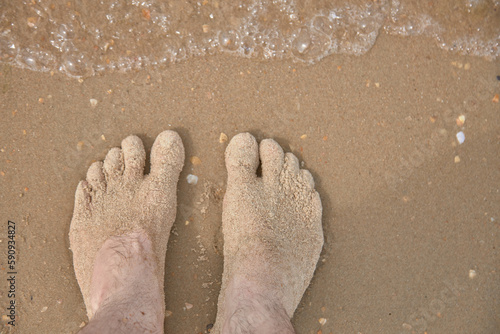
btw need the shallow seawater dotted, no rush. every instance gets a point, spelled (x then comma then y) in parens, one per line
(82, 38)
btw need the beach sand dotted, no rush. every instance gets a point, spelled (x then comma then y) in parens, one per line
(410, 216)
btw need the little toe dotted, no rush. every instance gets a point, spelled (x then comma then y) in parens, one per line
(82, 200)
(95, 176)
(113, 164)
(167, 156)
(307, 178)
(134, 157)
(272, 158)
(242, 157)
(291, 163)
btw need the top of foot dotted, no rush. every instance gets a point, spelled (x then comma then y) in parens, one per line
(271, 224)
(117, 198)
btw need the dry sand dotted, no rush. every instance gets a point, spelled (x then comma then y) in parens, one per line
(410, 217)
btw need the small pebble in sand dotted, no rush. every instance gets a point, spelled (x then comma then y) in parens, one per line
(80, 145)
(188, 306)
(472, 274)
(460, 120)
(44, 309)
(192, 179)
(407, 326)
(467, 66)
(168, 313)
(93, 102)
(377, 84)
(195, 160)
(495, 98)
(103, 138)
(31, 22)
(322, 321)
(457, 159)
(460, 137)
(222, 138)
(303, 137)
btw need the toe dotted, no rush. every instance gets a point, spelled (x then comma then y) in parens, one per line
(242, 157)
(134, 157)
(272, 158)
(167, 155)
(113, 164)
(307, 178)
(82, 200)
(95, 176)
(292, 164)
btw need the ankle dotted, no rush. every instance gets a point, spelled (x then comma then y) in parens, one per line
(253, 309)
(122, 265)
(126, 295)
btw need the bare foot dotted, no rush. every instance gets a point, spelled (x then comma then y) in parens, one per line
(272, 238)
(121, 224)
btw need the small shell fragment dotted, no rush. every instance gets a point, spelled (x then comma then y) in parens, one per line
(457, 159)
(322, 321)
(472, 274)
(222, 138)
(192, 179)
(168, 313)
(44, 309)
(195, 160)
(460, 120)
(303, 137)
(93, 102)
(188, 306)
(460, 137)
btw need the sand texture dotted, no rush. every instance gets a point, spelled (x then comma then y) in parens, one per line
(410, 216)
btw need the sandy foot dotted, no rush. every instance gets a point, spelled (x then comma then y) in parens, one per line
(117, 199)
(272, 233)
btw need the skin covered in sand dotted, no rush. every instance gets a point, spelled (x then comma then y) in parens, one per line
(272, 238)
(122, 221)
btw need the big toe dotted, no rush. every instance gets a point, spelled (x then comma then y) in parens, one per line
(167, 155)
(242, 157)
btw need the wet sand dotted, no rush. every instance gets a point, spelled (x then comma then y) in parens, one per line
(411, 231)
